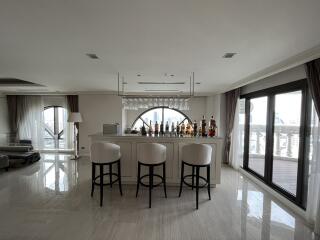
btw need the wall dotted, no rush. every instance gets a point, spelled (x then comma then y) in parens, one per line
(54, 101)
(199, 106)
(97, 110)
(290, 75)
(4, 119)
(197, 110)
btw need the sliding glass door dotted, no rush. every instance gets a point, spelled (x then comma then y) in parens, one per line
(257, 134)
(286, 140)
(275, 132)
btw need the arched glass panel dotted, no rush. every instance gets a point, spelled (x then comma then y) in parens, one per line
(160, 114)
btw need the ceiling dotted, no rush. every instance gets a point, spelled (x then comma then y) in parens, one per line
(46, 42)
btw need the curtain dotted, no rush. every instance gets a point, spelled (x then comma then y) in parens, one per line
(313, 202)
(237, 137)
(67, 126)
(30, 119)
(231, 104)
(313, 78)
(13, 121)
(73, 106)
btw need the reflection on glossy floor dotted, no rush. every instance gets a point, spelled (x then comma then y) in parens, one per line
(51, 200)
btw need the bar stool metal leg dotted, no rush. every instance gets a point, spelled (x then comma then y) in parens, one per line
(119, 177)
(101, 185)
(197, 186)
(193, 176)
(208, 181)
(164, 179)
(93, 176)
(138, 179)
(181, 181)
(150, 184)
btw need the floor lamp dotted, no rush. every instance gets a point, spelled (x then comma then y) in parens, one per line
(75, 117)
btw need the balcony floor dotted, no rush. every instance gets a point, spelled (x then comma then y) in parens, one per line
(284, 172)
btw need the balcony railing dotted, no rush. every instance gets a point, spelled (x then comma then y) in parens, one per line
(286, 141)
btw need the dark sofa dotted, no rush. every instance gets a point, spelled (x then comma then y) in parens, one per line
(20, 152)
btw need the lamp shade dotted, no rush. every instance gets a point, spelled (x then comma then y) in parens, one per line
(75, 117)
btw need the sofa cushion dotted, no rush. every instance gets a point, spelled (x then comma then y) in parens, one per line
(15, 148)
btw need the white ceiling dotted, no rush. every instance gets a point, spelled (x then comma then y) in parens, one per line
(46, 41)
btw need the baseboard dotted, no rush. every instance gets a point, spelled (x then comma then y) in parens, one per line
(299, 211)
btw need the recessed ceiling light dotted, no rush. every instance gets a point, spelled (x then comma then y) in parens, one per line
(92, 55)
(229, 55)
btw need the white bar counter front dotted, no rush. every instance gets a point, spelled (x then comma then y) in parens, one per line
(129, 145)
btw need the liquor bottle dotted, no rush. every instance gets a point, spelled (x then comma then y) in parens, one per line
(156, 129)
(187, 128)
(213, 127)
(143, 130)
(167, 127)
(178, 129)
(203, 127)
(195, 128)
(161, 128)
(150, 129)
(183, 129)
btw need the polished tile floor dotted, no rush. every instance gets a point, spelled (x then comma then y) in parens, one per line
(51, 200)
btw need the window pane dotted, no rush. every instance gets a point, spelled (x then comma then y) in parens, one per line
(173, 116)
(257, 134)
(49, 118)
(138, 125)
(61, 118)
(153, 115)
(286, 140)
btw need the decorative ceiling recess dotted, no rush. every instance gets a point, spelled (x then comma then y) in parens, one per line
(167, 93)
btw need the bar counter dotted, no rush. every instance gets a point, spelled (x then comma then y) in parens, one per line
(128, 144)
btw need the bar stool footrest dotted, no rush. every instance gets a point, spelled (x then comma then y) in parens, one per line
(106, 184)
(147, 185)
(194, 186)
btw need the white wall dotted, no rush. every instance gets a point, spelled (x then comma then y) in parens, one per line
(197, 110)
(290, 75)
(199, 106)
(4, 119)
(97, 110)
(54, 101)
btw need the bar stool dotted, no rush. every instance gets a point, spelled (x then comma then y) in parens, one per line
(196, 156)
(105, 154)
(151, 155)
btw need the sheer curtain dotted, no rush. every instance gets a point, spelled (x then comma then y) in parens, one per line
(68, 127)
(237, 136)
(30, 120)
(313, 203)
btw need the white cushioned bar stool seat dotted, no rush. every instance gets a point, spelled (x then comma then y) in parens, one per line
(196, 156)
(151, 155)
(105, 154)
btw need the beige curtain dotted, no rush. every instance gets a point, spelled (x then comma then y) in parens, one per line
(232, 98)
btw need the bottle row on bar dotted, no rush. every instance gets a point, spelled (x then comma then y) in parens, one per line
(181, 129)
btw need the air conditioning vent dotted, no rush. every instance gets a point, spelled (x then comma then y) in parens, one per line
(229, 55)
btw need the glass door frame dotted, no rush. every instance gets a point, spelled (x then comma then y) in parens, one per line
(302, 174)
